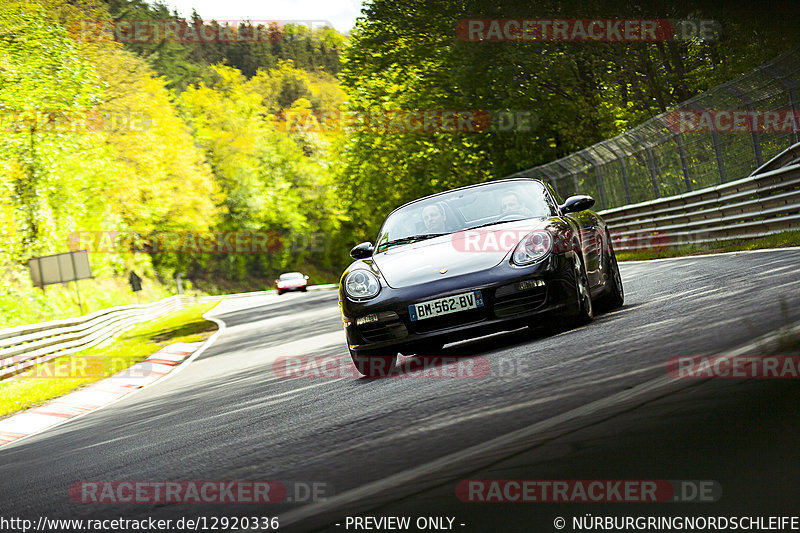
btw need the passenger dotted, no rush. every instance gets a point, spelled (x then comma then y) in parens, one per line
(434, 218)
(511, 205)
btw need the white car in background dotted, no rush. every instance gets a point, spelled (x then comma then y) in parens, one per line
(291, 281)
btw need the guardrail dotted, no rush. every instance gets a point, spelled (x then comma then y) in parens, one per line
(24, 346)
(764, 203)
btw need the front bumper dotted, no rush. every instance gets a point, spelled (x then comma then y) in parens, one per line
(505, 305)
(291, 288)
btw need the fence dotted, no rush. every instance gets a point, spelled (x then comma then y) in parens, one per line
(765, 203)
(658, 159)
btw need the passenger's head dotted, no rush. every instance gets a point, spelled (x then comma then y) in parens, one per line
(434, 218)
(510, 204)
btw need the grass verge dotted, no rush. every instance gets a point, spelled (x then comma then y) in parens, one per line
(779, 240)
(66, 374)
(20, 303)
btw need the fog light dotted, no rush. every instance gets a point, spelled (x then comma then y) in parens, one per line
(529, 284)
(366, 319)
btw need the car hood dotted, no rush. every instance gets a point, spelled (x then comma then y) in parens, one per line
(460, 253)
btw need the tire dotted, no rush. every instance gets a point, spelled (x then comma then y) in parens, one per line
(585, 312)
(304, 289)
(615, 296)
(280, 292)
(374, 364)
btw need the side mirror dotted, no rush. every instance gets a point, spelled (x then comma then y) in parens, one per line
(362, 251)
(575, 204)
(305, 277)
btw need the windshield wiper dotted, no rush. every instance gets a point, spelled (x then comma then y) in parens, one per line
(522, 217)
(412, 238)
(492, 224)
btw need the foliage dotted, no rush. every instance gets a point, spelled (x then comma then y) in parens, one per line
(193, 135)
(407, 56)
(183, 63)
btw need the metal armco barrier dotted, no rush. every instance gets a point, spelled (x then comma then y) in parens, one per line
(24, 346)
(765, 203)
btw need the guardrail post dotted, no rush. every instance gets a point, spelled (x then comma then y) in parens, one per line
(684, 161)
(77, 291)
(651, 163)
(748, 102)
(589, 159)
(575, 184)
(624, 167)
(552, 183)
(791, 89)
(723, 175)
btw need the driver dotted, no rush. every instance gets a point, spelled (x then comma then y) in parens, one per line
(512, 206)
(434, 218)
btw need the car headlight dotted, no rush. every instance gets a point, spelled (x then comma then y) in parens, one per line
(532, 248)
(361, 284)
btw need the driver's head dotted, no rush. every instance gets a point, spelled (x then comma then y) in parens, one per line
(434, 219)
(510, 203)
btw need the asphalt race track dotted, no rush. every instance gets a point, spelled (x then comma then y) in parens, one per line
(227, 416)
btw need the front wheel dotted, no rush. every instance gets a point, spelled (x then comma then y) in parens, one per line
(374, 364)
(585, 309)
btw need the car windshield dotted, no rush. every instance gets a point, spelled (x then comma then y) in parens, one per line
(290, 275)
(459, 210)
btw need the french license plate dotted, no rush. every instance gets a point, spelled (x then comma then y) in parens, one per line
(445, 306)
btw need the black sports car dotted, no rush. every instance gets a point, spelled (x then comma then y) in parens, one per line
(467, 262)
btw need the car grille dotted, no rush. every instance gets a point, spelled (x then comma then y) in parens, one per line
(513, 303)
(383, 331)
